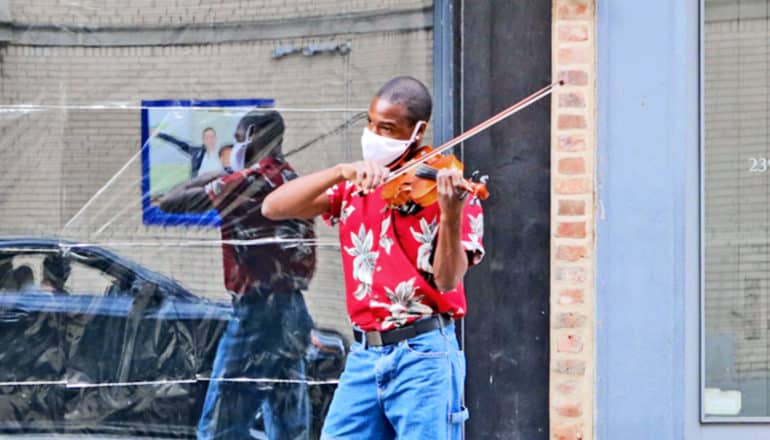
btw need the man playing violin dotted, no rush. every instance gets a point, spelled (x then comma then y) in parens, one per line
(403, 276)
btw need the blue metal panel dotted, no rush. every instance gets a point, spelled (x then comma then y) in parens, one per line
(648, 135)
(443, 71)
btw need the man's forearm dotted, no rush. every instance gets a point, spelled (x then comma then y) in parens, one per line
(199, 181)
(189, 196)
(184, 146)
(193, 200)
(303, 197)
(450, 261)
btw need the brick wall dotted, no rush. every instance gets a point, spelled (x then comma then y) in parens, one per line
(110, 13)
(573, 152)
(70, 153)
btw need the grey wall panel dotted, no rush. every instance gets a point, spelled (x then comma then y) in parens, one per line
(506, 54)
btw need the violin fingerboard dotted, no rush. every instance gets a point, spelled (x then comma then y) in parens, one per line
(426, 172)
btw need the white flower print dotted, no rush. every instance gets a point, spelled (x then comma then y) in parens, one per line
(385, 241)
(477, 232)
(345, 211)
(364, 261)
(403, 305)
(425, 238)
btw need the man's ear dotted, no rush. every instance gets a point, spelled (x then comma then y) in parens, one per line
(421, 130)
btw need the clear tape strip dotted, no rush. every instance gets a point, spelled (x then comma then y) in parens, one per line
(164, 382)
(188, 243)
(32, 383)
(35, 107)
(104, 187)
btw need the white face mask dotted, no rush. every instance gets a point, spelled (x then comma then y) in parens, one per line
(238, 155)
(384, 150)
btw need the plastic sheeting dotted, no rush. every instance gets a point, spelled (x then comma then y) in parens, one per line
(119, 313)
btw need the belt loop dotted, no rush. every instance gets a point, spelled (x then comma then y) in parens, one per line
(364, 340)
(440, 324)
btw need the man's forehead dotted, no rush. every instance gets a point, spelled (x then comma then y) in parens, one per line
(385, 110)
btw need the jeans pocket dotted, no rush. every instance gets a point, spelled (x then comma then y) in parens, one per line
(432, 344)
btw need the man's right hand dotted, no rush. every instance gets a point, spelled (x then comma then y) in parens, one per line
(366, 175)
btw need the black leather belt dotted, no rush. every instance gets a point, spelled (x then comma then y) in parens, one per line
(390, 337)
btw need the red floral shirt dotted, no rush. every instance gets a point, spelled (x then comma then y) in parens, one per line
(259, 253)
(387, 257)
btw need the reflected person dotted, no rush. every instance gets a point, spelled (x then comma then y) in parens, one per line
(203, 158)
(24, 278)
(270, 331)
(224, 157)
(56, 271)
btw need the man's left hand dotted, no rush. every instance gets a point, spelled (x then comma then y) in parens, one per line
(451, 195)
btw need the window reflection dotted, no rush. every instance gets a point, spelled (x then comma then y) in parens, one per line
(736, 238)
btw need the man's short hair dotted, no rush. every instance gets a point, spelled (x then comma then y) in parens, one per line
(23, 275)
(412, 94)
(209, 129)
(56, 268)
(266, 129)
(226, 147)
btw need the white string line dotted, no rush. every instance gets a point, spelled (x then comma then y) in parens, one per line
(166, 382)
(103, 188)
(115, 217)
(42, 107)
(186, 243)
(201, 379)
(33, 382)
(112, 179)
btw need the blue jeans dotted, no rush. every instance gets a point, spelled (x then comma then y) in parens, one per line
(265, 340)
(410, 390)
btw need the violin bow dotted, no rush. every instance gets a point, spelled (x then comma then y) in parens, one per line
(515, 108)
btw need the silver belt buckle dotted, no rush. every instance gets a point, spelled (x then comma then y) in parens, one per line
(374, 339)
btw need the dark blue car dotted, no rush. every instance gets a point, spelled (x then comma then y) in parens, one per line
(130, 356)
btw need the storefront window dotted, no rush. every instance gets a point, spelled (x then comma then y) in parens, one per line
(736, 234)
(115, 294)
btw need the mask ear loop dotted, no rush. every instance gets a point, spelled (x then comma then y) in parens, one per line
(396, 163)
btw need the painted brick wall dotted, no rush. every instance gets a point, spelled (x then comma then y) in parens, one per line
(573, 152)
(80, 149)
(112, 13)
(736, 129)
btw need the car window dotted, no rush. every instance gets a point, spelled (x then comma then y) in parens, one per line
(24, 273)
(86, 280)
(48, 272)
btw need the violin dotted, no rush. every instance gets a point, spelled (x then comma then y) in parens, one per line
(414, 183)
(419, 184)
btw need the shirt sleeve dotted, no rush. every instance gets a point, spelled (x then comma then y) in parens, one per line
(223, 190)
(335, 195)
(182, 145)
(473, 231)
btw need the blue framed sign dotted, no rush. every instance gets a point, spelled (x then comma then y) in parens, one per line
(182, 139)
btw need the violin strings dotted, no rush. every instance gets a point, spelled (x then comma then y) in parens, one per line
(426, 172)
